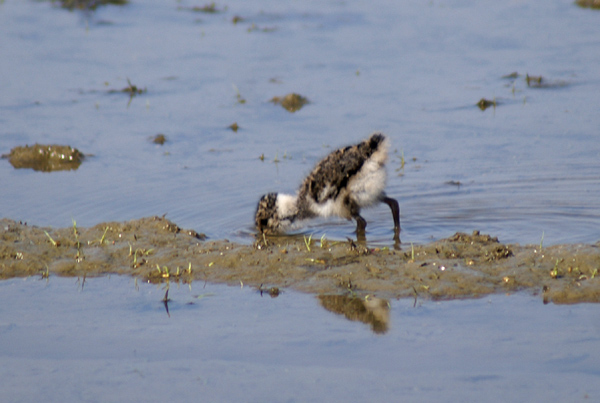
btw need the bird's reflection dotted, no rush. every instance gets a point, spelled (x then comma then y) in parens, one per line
(370, 310)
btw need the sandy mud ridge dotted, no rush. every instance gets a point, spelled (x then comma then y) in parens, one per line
(157, 250)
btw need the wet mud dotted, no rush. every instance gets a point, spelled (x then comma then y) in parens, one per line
(46, 158)
(157, 250)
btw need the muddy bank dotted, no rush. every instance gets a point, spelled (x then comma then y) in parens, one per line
(157, 250)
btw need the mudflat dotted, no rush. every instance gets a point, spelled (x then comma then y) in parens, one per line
(157, 250)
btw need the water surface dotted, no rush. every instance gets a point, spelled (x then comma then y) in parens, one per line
(527, 168)
(111, 339)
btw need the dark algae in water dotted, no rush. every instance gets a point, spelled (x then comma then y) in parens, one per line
(46, 158)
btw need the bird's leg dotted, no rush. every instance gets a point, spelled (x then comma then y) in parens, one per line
(395, 213)
(361, 224)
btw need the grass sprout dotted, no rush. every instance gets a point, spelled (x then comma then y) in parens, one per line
(554, 272)
(46, 274)
(307, 241)
(50, 238)
(324, 243)
(141, 252)
(402, 161)
(238, 96)
(103, 236)
(79, 255)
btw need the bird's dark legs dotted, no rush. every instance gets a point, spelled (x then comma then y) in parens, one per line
(395, 213)
(361, 224)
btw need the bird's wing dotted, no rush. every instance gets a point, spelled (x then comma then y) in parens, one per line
(332, 174)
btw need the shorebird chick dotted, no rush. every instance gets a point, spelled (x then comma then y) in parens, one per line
(340, 185)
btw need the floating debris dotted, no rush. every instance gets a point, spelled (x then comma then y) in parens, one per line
(45, 158)
(234, 126)
(207, 9)
(239, 98)
(159, 139)
(541, 82)
(483, 103)
(291, 102)
(131, 89)
(273, 292)
(533, 81)
(255, 27)
(88, 4)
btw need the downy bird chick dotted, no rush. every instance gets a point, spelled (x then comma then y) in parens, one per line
(345, 181)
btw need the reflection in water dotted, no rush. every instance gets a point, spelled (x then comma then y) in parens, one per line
(166, 300)
(370, 310)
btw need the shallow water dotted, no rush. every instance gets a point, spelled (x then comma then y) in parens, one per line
(110, 340)
(528, 167)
